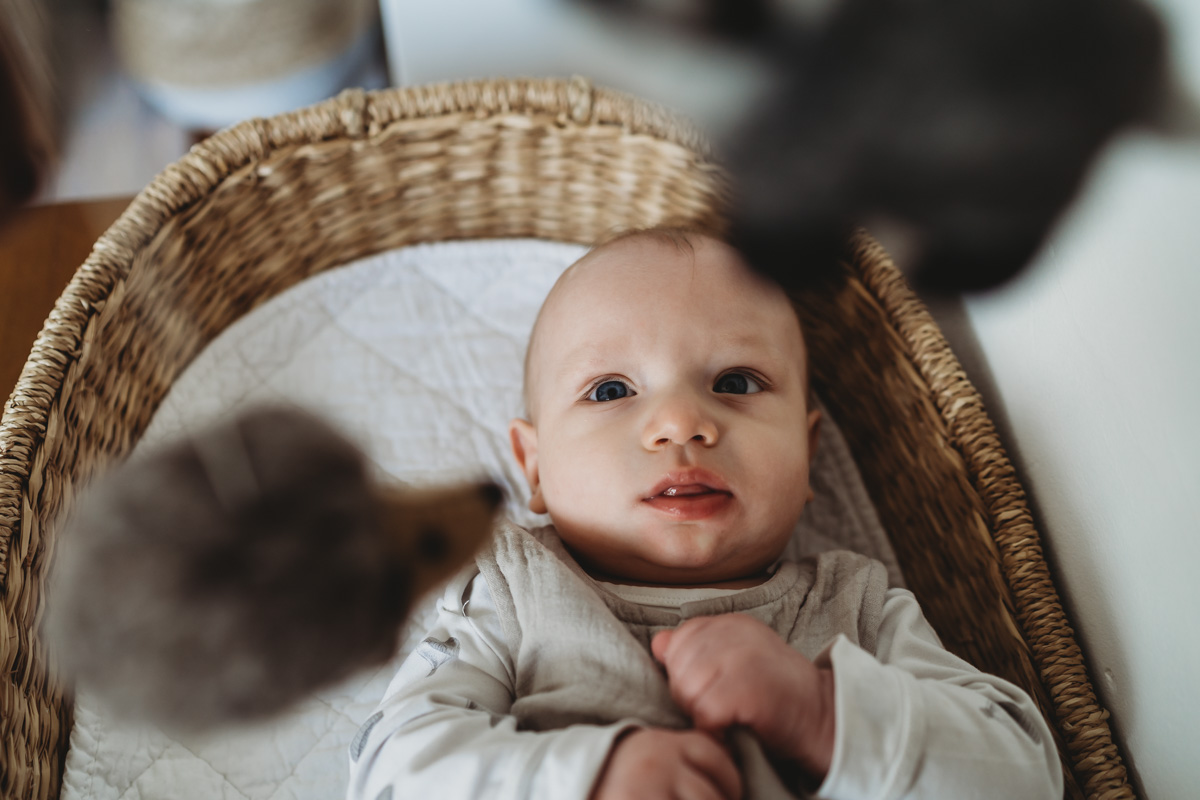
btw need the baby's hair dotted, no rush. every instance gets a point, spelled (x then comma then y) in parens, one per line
(682, 237)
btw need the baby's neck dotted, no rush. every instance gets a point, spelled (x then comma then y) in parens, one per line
(739, 582)
(733, 583)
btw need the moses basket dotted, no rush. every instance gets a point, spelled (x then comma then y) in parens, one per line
(257, 208)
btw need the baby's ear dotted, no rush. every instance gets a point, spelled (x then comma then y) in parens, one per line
(523, 437)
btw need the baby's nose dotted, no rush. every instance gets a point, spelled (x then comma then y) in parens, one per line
(679, 420)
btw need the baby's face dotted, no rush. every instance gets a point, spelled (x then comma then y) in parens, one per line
(671, 438)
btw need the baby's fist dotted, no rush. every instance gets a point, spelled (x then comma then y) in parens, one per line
(732, 670)
(657, 764)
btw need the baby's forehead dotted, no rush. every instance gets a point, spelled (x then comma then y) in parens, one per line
(665, 270)
(631, 262)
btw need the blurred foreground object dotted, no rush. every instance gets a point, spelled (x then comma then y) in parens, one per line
(965, 125)
(229, 575)
(28, 127)
(210, 63)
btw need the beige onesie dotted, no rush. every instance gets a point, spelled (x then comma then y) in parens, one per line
(581, 654)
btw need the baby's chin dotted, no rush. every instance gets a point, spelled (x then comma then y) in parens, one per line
(677, 555)
(655, 570)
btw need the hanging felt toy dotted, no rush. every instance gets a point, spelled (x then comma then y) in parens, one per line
(232, 573)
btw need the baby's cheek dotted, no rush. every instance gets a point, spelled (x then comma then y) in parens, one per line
(571, 498)
(785, 490)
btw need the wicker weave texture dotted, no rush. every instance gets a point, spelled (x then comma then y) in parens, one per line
(257, 208)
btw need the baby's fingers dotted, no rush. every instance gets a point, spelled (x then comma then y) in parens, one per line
(696, 645)
(697, 786)
(659, 645)
(713, 762)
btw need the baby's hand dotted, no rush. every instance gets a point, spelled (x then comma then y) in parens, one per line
(653, 763)
(733, 670)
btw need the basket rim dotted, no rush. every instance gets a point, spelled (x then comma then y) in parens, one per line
(358, 115)
(353, 114)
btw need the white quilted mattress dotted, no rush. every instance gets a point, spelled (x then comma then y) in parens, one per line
(417, 354)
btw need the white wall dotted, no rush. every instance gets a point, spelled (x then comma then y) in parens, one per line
(1092, 359)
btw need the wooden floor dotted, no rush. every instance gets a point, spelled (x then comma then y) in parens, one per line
(40, 249)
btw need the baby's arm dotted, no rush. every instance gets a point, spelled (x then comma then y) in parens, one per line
(443, 728)
(911, 721)
(917, 721)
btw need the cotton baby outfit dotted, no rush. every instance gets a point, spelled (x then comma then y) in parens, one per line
(533, 669)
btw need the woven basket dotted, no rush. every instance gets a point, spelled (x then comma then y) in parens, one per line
(257, 208)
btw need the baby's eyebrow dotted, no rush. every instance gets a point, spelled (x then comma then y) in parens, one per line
(586, 358)
(579, 372)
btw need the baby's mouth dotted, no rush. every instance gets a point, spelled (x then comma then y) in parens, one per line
(690, 501)
(687, 490)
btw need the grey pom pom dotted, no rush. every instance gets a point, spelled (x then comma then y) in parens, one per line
(228, 575)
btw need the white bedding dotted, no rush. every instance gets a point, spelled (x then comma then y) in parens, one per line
(417, 354)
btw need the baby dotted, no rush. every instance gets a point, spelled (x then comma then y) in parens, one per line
(651, 642)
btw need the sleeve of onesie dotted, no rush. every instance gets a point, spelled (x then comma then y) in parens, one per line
(443, 728)
(916, 721)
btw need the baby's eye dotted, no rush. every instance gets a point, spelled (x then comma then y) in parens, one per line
(609, 390)
(737, 383)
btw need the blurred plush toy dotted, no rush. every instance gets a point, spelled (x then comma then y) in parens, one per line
(229, 575)
(967, 124)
